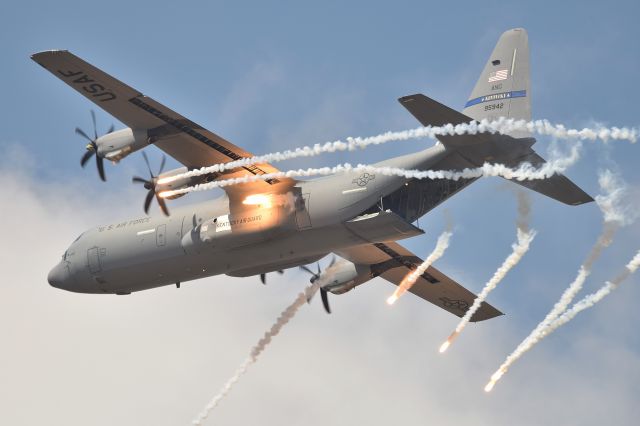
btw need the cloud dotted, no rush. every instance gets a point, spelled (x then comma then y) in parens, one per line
(156, 357)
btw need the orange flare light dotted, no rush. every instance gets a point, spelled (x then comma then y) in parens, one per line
(449, 341)
(489, 386)
(494, 378)
(258, 199)
(402, 288)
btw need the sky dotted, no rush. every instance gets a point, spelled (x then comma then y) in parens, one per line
(275, 75)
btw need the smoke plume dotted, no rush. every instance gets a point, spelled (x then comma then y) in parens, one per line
(525, 171)
(502, 125)
(441, 245)
(273, 331)
(615, 214)
(591, 299)
(525, 237)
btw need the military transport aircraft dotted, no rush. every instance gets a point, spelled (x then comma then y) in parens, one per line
(272, 225)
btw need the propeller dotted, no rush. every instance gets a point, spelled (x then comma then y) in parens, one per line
(150, 184)
(92, 147)
(263, 277)
(324, 294)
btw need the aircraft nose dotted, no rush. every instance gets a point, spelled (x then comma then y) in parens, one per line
(58, 275)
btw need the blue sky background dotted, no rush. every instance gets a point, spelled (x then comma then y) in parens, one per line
(275, 75)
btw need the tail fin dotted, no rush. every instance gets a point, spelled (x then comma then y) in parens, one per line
(495, 148)
(504, 88)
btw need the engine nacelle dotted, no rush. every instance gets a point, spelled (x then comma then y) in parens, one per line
(116, 145)
(346, 276)
(162, 186)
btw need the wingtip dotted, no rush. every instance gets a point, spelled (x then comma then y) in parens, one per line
(486, 312)
(34, 56)
(409, 98)
(585, 200)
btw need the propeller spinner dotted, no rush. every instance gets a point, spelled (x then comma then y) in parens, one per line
(92, 147)
(324, 294)
(150, 184)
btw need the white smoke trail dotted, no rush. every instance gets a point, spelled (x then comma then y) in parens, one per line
(589, 300)
(615, 214)
(525, 237)
(502, 125)
(412, 277)
(525, 171)
(282, 320)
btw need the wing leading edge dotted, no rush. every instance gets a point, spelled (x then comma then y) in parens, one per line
(393, 262)
(187, 142)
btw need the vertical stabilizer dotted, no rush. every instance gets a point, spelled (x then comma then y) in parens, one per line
(504, 89)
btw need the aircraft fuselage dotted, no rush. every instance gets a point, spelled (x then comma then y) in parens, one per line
(225, 236)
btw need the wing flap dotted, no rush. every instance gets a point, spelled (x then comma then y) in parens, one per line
(432, 113)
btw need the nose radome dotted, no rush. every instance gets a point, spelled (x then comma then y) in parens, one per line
(57, 276)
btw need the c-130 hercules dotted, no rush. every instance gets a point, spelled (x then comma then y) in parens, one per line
(265, 226)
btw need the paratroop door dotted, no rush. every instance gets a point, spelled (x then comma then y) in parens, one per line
(93, 259)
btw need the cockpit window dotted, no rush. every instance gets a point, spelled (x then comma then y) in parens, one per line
(64, 256)
(78, 237)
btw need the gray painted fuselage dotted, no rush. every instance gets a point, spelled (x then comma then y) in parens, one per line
(153, 251)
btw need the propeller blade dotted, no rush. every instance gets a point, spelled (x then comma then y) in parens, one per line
(95, 127)
(86, 157)
(162, 204)
(304, 268)
(333, 260)
(263, 278)
(81, 132)
(147, 201)
(325, 300)
(138, 179)
(146, 160)
(281, 272)
(318, 265)
(110, 129)
(100, 164)
(162, 163)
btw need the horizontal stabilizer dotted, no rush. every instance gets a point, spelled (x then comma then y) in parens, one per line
(477, 148)
(432, 113)
(558, 186)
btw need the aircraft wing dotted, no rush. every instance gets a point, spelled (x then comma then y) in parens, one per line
(393, 262)
(187, 142)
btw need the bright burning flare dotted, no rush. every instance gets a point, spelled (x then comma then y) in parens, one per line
(258, 199)
(392, 299)
(494, 378)
(164, 194)
(448, 342)
(489, 386)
